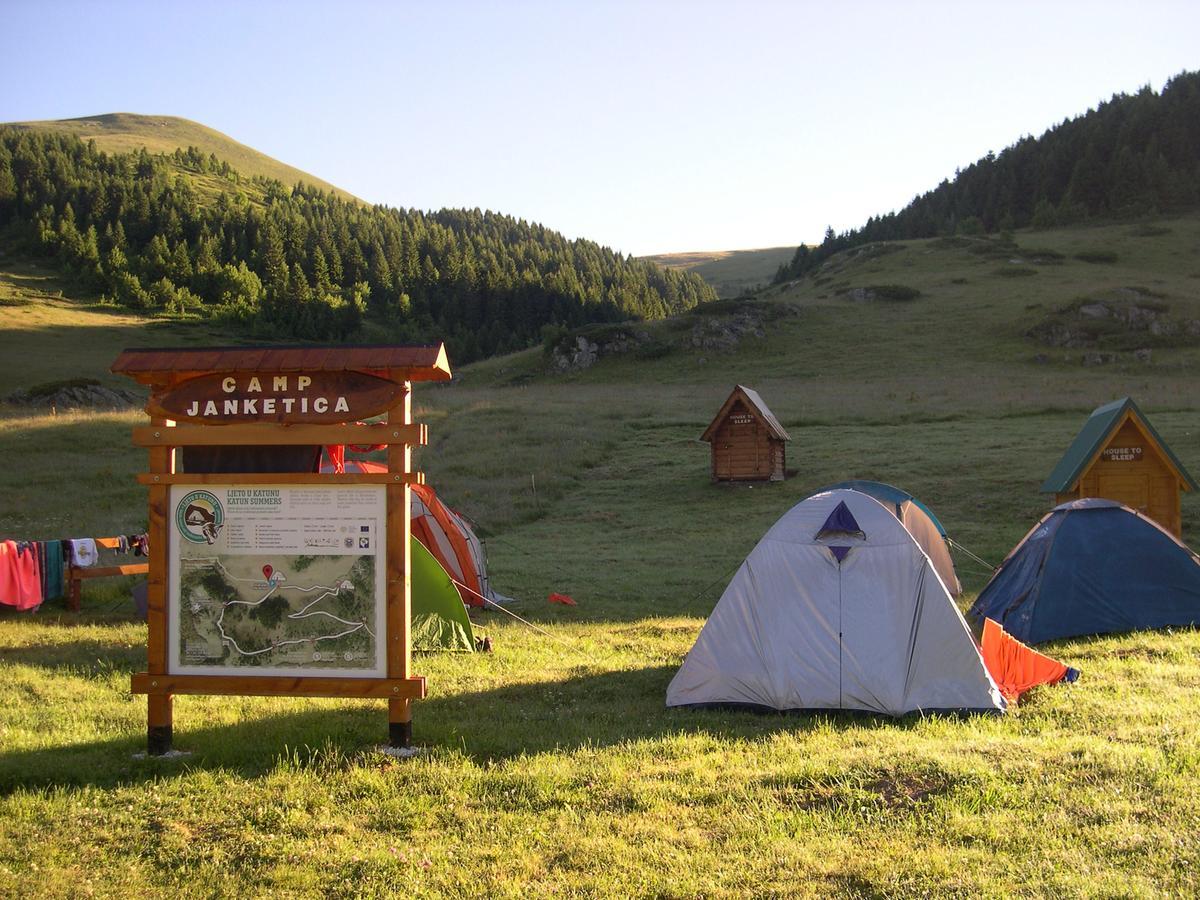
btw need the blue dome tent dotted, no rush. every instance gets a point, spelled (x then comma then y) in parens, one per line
(1090, 567)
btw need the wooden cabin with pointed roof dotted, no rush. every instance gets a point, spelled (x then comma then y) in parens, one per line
(747, 440)
(1119, 456)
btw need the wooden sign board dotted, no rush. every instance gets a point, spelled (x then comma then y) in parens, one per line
(279, 584)
(1122, 454)
(277, 580)
(288, 397)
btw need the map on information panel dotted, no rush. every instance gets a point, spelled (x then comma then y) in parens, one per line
(283, 580)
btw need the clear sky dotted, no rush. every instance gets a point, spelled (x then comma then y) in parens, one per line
(649, 127)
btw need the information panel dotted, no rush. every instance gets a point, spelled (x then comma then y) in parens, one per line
(277, 580)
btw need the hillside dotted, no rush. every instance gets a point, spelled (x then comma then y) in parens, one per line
(143, 232)
(1131, 157)
(592, 482)
(730, 272)
(129, 132)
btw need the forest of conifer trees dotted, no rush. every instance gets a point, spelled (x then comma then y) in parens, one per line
(1133, 156)
(152, 233)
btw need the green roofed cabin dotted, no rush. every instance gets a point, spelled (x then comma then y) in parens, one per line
(747, 440)
(1119, 456)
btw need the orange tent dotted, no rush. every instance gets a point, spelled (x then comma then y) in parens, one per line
(446, 534)
(443, 531)
(1015, 667)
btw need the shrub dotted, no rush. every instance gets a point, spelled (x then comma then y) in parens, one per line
(655, 348)
(1097, 256)
(53, 387)
(895, 292)
(1044, 257)
(1148, 230)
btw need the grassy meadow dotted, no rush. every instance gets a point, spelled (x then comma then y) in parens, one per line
(730, 272)
(550, 767)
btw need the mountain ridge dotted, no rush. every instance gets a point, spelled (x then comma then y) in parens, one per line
(125, 132)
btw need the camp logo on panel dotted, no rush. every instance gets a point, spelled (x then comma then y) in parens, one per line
(199, 517)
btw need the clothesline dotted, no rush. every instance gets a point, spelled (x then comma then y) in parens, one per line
(32, 572)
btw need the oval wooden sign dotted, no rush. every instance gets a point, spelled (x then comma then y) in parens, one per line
(291, 398)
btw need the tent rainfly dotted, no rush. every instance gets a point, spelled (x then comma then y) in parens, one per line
(439, 620)
(920, 521)
(747, 440)
(1119, 456)
(443, 531)
(1089, 567)
(837, 608)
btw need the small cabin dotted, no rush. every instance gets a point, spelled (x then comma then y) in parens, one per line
(747, 440)
(1119, 456)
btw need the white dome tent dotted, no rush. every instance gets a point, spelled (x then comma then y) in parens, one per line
(837, 607)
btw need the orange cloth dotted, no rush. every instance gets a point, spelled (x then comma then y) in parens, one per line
(1015, 667)
(564, 599)
(20, 576)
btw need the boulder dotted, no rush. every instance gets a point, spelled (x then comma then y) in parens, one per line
(82, 394)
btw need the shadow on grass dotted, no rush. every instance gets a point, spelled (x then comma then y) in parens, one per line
(86, 657)
(592, 711)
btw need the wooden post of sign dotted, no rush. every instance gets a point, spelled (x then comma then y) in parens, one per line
(159, 713)
(399, 567)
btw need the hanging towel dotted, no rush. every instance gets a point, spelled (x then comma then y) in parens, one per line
(52, 570)
(84, 552)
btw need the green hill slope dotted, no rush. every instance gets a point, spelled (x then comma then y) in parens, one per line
(730, 272)
(129, 132)
(1130, 157)
(187, 234)
(592, 482)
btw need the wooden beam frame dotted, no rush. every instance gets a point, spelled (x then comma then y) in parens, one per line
(397, 432)
(238, 435)
(389, 478)
(412, 688)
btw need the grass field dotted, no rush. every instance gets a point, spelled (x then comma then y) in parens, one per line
(551, 767)
(129, 132)
(730, 272)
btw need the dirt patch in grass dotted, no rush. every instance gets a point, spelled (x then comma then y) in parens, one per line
(865, 791)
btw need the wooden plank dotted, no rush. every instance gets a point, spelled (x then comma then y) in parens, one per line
(399, 563)
(389, 478)
(399, 583)
(268, 433)
(279, 685)
(110, 571)
(403, 363)
(160, 709)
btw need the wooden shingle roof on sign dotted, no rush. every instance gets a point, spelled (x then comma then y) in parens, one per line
(756, 406)
(1101, 425)
(424, 362)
